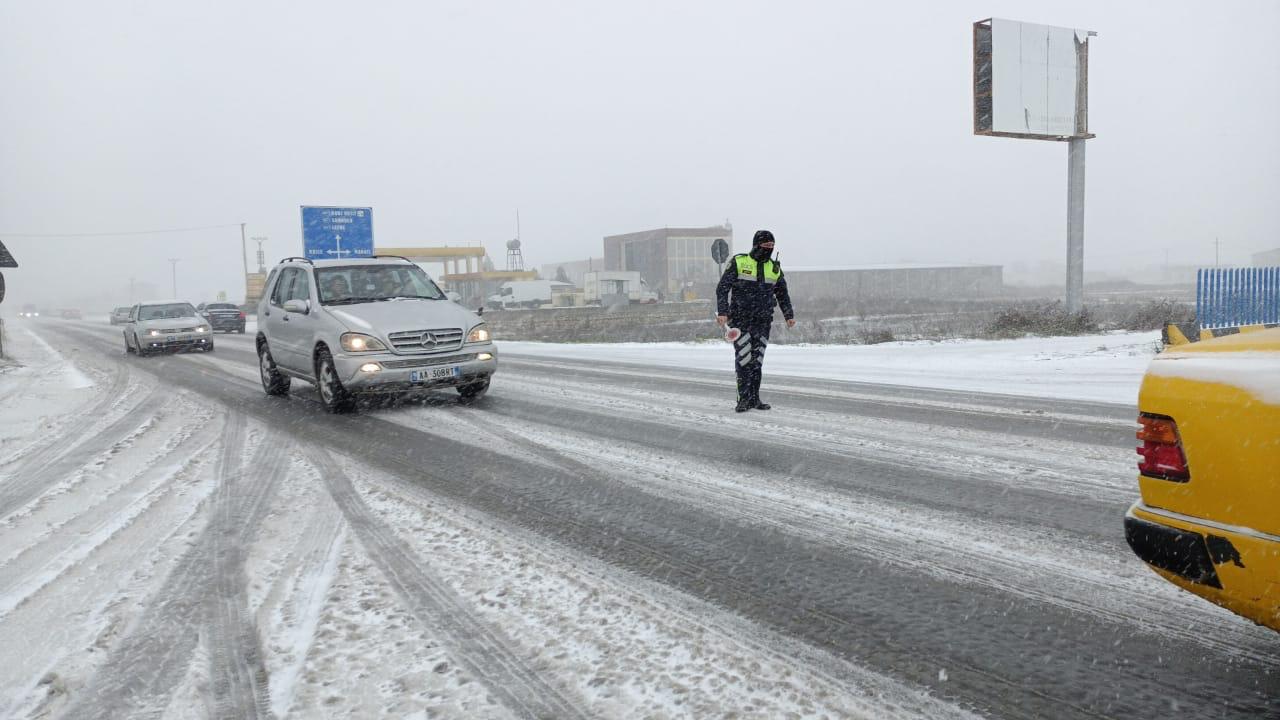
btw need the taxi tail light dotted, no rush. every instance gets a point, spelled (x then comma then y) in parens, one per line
(1160, 452)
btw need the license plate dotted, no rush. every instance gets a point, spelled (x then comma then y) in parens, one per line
(440, 373)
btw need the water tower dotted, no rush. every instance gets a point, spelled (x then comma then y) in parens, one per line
(515, 261)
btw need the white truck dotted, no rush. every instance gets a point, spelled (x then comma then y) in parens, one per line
(616, 287)
(526, 293)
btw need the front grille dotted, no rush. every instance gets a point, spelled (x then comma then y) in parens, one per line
(426, 341)
(174, 331)
(427, 362)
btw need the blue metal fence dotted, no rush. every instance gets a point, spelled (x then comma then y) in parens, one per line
(1231, 297)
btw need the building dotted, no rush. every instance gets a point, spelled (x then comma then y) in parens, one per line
(866, 282)
(1270, 258)
(575, 270)
(674, 262)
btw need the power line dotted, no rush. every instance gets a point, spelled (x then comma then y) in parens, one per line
(118, 234)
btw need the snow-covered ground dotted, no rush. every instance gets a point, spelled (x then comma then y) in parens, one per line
(162, 555)
(1103, 368)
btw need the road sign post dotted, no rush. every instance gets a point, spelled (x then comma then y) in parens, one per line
(337, 233)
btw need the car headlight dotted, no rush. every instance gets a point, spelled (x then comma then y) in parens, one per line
(359, 342)
(202, 328)
(153, 333)
(479, 334)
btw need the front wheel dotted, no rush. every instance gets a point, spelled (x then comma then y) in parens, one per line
(128, 348)
(333, 394)
(273, 381)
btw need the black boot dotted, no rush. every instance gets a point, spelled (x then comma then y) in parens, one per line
(762, 405)
(742, 406)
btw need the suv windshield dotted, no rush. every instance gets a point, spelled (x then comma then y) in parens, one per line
(164, 312)
(352, 284)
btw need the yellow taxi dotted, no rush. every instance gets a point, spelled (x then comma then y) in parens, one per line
(1209, 472)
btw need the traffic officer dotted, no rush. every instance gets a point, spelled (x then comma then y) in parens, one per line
(752, 285)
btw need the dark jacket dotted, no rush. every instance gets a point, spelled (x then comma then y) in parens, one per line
(754, 298)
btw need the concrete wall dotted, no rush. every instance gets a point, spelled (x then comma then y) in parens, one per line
(976, 281)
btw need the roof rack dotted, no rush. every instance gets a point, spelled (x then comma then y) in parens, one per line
(398, 257)
(305, 260)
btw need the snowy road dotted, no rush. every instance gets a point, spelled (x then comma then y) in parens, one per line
(593, 539)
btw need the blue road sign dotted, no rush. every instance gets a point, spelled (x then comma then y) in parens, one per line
(336, 233)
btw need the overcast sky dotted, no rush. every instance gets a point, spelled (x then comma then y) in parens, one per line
(846, 128)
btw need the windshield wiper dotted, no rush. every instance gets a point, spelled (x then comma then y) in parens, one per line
(351, 301)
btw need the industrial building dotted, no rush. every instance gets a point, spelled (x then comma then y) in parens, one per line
(575, 270)
(865, 282)
(675, 262)
(1270, 258)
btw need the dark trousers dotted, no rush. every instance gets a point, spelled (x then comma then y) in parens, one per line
(749, 359)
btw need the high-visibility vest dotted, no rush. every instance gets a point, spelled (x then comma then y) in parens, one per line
(747, 269)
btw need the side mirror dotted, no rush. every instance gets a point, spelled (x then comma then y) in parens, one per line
(480, 312)
(297, 306)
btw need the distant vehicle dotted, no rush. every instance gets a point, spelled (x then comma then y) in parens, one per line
(367, 326)
(120, 316)
(222, 316)
(29, 311)
(70, 314)
(166, 326)
(1207, 520)
(614, 287)
(526, 293)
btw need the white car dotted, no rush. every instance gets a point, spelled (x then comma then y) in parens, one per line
(367, 326)
(166, 326)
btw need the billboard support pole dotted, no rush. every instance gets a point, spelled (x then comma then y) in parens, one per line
(1075, 225)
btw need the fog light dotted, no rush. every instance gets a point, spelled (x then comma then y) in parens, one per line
(370, 367)
(484, 356)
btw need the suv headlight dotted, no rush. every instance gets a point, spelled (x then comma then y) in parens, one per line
(153, 333)
(359, 342)
(479, 334)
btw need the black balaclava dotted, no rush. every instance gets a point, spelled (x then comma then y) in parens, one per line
(761, 237)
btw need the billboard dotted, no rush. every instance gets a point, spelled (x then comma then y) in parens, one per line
(1030, 81)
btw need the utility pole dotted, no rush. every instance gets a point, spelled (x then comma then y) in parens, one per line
(244, 251)
(174, 266)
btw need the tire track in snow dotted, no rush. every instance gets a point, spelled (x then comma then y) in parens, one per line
(146, 666)
(485, 652)
(239, 677)
(70, 542)
(298, 596)
(45, 468)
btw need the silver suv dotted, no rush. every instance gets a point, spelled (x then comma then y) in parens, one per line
(374, 325)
